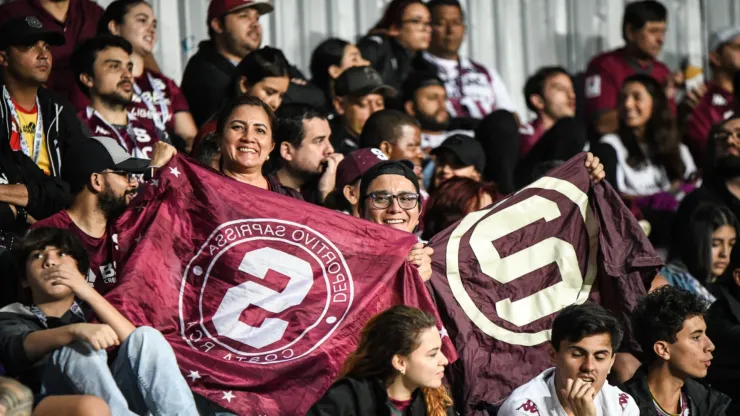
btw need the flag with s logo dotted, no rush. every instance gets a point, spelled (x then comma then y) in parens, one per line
(502, 274)
(261, 296)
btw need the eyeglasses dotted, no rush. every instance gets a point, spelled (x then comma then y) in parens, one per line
(130, 177)
(382, 200)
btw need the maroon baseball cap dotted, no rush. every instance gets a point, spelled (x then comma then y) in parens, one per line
(355, 164)
(219, 8)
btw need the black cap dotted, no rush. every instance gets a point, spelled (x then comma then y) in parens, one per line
(467, 149)
(94, 155)
(26, 31)
(359, 81)
(417, 81)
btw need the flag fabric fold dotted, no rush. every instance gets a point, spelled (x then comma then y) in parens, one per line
(261, 296)
(502, 274)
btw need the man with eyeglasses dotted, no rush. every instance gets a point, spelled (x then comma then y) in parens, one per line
(717, 101)
(103, 179)
(472, 89)
(722, 179)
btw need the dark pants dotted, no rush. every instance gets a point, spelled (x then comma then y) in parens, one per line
(498, 133)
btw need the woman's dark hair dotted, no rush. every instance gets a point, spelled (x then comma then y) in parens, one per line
(660, 315)
(452, 200)
(329, 52)
(576, 322)
(661, 134)
(116, 12)
(393, 15)
(395, 331)
(693, 245)
(223, 114)
(263, 63)
(40, 238)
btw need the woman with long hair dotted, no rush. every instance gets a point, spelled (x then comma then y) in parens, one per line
(646, 156)
(701, 250)
(396, 369)
(454, 199)
(332, 57)
(394, 42)
(156, 96)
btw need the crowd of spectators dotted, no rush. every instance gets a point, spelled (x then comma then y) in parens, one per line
(398, 129)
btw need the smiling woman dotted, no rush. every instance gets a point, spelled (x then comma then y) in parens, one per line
(244, 129)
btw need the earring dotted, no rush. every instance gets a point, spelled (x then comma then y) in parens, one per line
(268, 158)
(403, 371)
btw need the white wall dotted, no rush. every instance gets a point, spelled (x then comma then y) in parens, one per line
(515, 36)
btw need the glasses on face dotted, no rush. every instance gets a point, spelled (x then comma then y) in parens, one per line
(417, 23)
(382, 200)
(130, 177)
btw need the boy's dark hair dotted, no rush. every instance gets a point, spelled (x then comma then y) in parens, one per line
(576, 322)
(40, 238)
(660, 315)
(385, 125)
(432, 4)
(535, 84)
(638, 13)
(83, 58)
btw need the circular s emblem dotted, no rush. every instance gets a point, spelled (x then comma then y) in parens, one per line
(506, 277)
(264, 291)
(34, 22)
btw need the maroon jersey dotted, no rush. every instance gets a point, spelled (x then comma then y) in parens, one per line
(138, 137)
(502, 274)
(157, 98)
(102, 273)
(716, 105)
(606, 74)
(530, 134)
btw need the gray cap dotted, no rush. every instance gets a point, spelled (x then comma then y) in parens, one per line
(94, 155)
(723, 35)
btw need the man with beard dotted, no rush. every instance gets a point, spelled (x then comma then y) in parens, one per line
(103, 180)
(103, 68)
(235, 32)
(307, 161)
(424, 98)
(722, 179)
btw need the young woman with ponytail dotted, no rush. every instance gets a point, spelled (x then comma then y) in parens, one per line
(397, 370)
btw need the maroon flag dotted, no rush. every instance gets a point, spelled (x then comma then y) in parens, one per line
(502, 274)
(261, 296)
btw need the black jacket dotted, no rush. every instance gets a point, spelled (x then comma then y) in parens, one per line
(704, 401)
(723, 328)
(392, 61)
(62, 128)
(46, 195)
(205, 80)
(365, 397)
